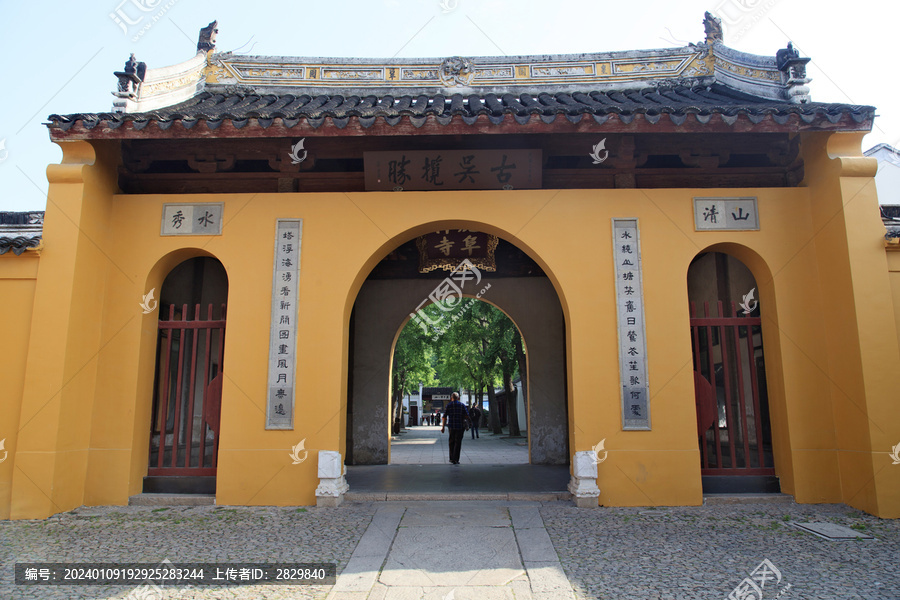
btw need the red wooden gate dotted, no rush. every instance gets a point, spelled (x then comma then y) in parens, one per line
(729, 385)
(184, 438)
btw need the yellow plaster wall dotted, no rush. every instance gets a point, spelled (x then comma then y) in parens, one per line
(343, 236)
(95, 431)
(17, 282)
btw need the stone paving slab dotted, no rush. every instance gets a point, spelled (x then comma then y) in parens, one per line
(832, 531)
(535, 545)
(548, 578)
(365, 563)
(526, 517)
(453, 593)
(705, 552)
(452, 556)
(678, 553)
(455, 514)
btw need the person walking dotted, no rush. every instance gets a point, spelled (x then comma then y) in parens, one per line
(475, 416)
(456, 416)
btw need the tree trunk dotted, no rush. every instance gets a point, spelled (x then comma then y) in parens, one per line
(395, 422)
(494, 410)
(397, 406)
(479, 402)
(523, 374)
(512, 408)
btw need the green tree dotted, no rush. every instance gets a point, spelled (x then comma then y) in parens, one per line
(502, 352)
(477, 349)
(413, 363)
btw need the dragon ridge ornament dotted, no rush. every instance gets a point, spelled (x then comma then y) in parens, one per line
(457, 71)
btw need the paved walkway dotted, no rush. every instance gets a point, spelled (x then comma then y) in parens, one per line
(483, 550)
(426, 445)
(454, 551)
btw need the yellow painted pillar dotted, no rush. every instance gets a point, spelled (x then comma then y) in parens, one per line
(858, 310)
(54, 425)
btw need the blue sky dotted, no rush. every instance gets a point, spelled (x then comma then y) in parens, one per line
(59, 57)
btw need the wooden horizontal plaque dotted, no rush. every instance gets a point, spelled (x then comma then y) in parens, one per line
(452, 170)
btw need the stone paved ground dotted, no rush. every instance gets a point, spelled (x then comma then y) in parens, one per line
(181, 534)
(705, 552)
(426, 445)
(683, 553)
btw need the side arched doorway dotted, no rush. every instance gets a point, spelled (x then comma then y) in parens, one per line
(733, 426)
(401, 284)
(184, 427)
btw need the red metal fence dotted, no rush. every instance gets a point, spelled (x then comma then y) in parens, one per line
(184, 438)
(732, 408)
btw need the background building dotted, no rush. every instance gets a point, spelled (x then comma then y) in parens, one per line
(887, 179)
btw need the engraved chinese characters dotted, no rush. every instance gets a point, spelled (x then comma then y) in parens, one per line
(192, 219)
(452, 170)
(728, 214)
(632, 334)
(283, 332)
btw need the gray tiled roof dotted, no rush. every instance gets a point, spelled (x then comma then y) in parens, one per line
(20, 231)
(674, 103)
(890, 216)
(430, 391)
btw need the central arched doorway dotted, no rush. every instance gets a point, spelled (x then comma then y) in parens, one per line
(404, 281)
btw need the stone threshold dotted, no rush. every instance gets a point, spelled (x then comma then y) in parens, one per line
(720, 499)
(456, 496)
(172, 500)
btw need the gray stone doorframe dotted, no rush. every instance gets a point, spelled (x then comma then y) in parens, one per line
(381, 308)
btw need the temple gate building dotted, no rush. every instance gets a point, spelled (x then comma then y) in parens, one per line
(689, 245)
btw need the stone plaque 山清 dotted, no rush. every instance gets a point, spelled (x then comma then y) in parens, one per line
(726, 214)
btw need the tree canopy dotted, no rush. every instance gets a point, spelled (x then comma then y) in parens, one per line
(468, 345)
